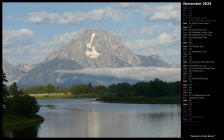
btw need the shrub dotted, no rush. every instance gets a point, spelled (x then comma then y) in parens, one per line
(24, 104)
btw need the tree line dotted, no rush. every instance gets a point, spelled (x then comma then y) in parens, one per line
(49, 88)
(154, 88)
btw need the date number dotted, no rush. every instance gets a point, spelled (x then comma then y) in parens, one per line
(207, 3)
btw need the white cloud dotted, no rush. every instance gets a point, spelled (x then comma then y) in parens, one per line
(165, 8)
(161, 39)
(163, 15)
(136, 73)
(19, 54)
(17, 45)
(150, 12)
(96, 14)
(126, 5)
(17, 37)
(164, 38)
(166, 43)
(115, 15)
(45, 17)
(73, 17)
(115, 11)
(167, 12)
(19, 48)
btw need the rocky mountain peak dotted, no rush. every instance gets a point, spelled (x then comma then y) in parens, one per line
(97, 48)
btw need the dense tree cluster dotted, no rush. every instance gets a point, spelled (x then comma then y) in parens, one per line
(88, 88)
(155, 88)
(22, 104)
(16, 102)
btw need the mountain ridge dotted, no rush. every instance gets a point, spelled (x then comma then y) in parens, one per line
(92, 48)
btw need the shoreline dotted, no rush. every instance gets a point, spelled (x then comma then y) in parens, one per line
(131, 100)
(14, 121)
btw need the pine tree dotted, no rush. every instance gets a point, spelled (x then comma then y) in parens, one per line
(13, 89)
(4, 89)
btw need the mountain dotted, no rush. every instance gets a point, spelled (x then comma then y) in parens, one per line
(13, 74)
(153, 60)
(97, 48)
(26, 67)
(44, 72)
(91, 48)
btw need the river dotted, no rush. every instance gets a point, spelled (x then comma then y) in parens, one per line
(90, 118)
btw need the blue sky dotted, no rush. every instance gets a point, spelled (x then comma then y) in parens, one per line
(33, 30)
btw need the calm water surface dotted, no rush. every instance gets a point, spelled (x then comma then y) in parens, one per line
(90, 118)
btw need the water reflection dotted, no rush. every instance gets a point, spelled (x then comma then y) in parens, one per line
(82, 118)
(21, 132)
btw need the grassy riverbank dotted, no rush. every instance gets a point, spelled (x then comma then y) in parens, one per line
(141, 100)
(62, 95)
(15, 120)
(112, 99)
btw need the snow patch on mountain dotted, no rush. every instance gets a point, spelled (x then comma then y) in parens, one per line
(112, 45)
(26, 67)
(91, 51)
